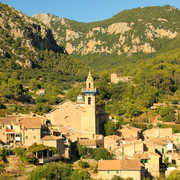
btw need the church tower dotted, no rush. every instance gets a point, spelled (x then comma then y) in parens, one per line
(89, 122)
(90, 91)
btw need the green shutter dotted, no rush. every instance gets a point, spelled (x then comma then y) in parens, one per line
(117, 172)
(163, 150)
(144, 161)
(177, 139)
(108, 172)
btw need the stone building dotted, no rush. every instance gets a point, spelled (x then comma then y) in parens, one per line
(115, 78)
(123, 168)
(83, 118)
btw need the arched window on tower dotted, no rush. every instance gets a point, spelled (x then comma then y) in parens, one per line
(89, 100)
(89, 85)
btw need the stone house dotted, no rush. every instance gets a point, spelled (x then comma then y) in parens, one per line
(55, 141)
(176, 139)
(10, 131)
(130, 132)
(115, 78)
(41, 92)
(31, 131)
(123, 168)
(129, 149)
(158, 133)
(112, 142)
(151, 162)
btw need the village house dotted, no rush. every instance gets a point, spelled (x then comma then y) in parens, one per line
(151, 162)
(55, 141)
(40, 92)
(128, 150)
(156, 105)
(130, 132)
(112, 142)
(176, 139)
(115, 78)
(158, 133)
(122, 168)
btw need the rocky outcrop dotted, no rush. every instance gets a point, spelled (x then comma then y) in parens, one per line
(138, 33)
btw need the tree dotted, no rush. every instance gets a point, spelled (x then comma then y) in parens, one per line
(174, 175)
(83, 164)
(110, 128)
(79, 175)
(2, 168)
(102, 153)
(52, 171)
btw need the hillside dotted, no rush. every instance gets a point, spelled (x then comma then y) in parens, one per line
(141, 30)
(28, 51)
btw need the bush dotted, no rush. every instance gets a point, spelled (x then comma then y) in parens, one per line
(21, 152)
(102, 153)
(175, 101)
(2, 168)
(52, 171)
(79, 175)
(83, 164)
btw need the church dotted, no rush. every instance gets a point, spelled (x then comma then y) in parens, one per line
(84, 118)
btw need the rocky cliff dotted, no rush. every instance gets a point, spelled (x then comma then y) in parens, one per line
(131, 31)
(22, 36)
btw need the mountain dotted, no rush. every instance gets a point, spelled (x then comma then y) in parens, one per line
(28, 51)
(142, 30)
(22, 35)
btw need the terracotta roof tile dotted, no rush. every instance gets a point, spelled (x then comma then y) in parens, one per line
(49, 138)
(31, 123)
(119, 165)
(87, 142)
(115, 137)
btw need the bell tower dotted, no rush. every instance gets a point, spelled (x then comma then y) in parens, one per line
(89, 122)
(90, 91)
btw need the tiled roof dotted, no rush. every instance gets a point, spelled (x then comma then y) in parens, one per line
(50, 138)
(115, 137)
(130, 129)
(31, 123)
(9, 120)
(119, 165)
(87, 142)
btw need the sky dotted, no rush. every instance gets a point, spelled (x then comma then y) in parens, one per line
(84, 10)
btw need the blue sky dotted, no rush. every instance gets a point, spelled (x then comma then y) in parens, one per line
(83, 10)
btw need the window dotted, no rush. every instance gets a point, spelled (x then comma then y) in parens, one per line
(110, 148)
(26, 137)
(89, 85)
(89, 100)
(34, 137)
(117, 172)
(11, 127)
(108, 172)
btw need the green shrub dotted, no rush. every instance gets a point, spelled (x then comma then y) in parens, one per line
(83, 164)
(175, 101)
(2, 168)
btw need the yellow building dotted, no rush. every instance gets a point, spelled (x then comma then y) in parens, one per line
(83, 118)
(123, 168)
